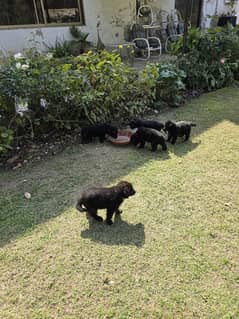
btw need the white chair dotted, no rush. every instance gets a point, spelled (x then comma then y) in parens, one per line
(145, 44)
(145, 15)
(175, 28)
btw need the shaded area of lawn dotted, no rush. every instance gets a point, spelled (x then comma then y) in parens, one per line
(172, 254)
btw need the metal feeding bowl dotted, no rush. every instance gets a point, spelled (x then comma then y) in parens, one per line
(123, 137)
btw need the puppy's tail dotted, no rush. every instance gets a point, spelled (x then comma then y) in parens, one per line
(193, 124)
(80, 207)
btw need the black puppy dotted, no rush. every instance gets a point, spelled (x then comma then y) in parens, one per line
(144, 134)
(136, 123)
(175, 129)
(105, 197)
(98, 130)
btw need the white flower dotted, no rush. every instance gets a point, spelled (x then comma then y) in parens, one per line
(25, 66)
(18, 56)
(18, 65)
(21, 105)
(43, 103)
(49, 56)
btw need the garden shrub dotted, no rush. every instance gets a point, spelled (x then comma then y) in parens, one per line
(6, 134)
(204, 75)
(211, 60)
(166, 82)
(193, 38)
(60, 93)
(6, 138)
(169, 86)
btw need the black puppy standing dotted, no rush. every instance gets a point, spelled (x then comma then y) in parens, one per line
(98, 130)
(144, 134)
(178, 129)
(109, 198)
(136, 123)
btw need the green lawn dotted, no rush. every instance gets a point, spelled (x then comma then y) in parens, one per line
(174, 254)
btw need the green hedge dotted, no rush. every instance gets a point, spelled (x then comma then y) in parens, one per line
(93, 87)
(211, 60)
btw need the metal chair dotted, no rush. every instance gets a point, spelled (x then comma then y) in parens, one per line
(162, 21)
(175, 28)
(145, 15)
(143, 44)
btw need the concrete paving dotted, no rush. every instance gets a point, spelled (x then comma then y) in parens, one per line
(140, 64)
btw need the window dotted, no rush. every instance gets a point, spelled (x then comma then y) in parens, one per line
(24, 12)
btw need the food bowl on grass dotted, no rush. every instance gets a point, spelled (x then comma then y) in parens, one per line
(123, 137)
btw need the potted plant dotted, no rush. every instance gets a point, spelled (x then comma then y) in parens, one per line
(80, 43)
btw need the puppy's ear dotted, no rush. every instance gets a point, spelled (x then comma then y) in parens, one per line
(169, 123)
(129, 190)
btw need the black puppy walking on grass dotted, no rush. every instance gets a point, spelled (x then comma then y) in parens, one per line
(98, 130)
(178, 129)
(144, 134)
(109, 198)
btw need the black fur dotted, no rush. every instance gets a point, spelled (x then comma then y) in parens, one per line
(136, 123)
(144, 134)
(98, 130)
(178, 129)
(109, 198)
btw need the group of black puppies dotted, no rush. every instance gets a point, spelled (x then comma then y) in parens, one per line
(149, 131)
(110, 198)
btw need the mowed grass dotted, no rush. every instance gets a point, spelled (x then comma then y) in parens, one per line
(172, 254)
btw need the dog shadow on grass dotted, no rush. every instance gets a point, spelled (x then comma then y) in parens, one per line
(147, 153)
(183, 148)
(120, 233)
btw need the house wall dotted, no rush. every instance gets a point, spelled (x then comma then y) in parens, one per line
(114, 15)
(215, 7)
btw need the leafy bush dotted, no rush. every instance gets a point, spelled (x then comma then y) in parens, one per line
(61, 48)
(6, 138)
(6, 135)
(166, 82)
(59, 93)
(79, 44)
(212, 60)
(204, 75)
(170, 84)
(192, 41)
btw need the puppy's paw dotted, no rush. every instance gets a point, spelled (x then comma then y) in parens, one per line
(109, 222)
(118, 212)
